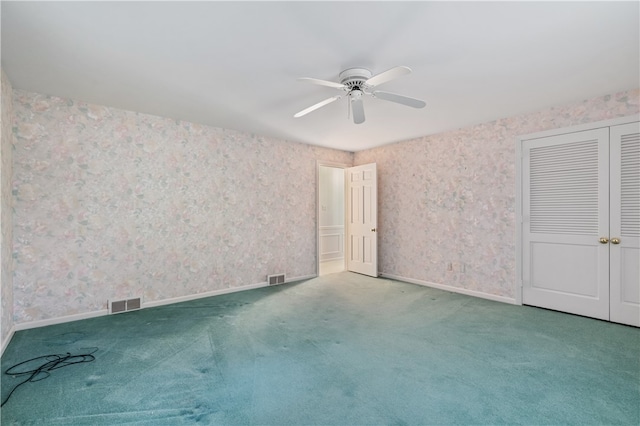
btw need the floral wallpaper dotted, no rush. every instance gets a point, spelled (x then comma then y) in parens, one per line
(6, 147)
(116, 204)
(113, 204)
(447, 214)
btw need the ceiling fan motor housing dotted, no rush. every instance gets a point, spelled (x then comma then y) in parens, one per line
(355, 78)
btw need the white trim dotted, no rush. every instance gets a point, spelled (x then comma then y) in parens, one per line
(333, 259)
(60, 320)
(519, 221)
(104, 312)
(452, 289)
(580, 127)
(7, 339)
(329, 228)
(219, 292)
(196, 296)
(301, 278)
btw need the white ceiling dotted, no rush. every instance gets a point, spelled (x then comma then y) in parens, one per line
(235, 64)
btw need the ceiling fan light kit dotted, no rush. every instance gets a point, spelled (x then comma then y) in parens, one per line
(357, 82)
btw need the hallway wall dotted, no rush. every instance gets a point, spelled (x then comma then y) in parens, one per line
(331, 218)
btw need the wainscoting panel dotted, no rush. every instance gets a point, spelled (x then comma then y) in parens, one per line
(331, 243)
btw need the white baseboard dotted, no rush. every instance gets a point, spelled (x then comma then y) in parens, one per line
(7, 339)
(301, 278)
(452, 289)
(60, 320)
(218, 292)
(202, 295)
(103, 312)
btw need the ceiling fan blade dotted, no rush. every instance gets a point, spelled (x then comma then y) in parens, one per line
(323, 82)
(388, 75)
(357, 107)
(404, 100)
(316, 106)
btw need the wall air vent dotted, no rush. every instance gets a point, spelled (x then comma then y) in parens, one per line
(275, 279)
(117, 306)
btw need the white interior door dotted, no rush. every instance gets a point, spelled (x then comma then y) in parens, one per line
(362, 219)
(565, 183)
(625, 224)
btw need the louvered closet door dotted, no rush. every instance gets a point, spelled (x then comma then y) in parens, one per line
(625, 224)
(566, 210)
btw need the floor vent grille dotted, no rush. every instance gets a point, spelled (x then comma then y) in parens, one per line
(117, 306)
(275, 279)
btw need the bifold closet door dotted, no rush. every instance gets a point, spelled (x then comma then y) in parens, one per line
(565, 181)
(581, 223)
(624, 241)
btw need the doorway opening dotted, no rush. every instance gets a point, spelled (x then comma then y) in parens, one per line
(331, 218)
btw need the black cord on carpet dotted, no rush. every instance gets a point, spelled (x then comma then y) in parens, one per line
(52, 362)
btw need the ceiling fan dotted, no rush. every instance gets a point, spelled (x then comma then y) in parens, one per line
(358, 82)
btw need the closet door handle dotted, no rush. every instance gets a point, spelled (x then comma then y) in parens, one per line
(615, 241)
(604, 240)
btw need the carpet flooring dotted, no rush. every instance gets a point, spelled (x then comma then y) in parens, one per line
(342, 349)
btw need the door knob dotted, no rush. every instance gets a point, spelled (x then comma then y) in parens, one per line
(373, 229)
(604, 240)
(615, 241)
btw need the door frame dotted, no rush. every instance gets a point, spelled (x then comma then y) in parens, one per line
(344, 167)
(519, 169)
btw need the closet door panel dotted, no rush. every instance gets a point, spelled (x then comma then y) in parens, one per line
(565, 213)
(625, 224)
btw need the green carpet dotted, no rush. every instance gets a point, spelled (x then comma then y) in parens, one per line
(343, 349)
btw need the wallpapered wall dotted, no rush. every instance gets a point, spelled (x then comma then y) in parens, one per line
(6, 146)
(450, 198)
(116, 204)
(112, 204)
